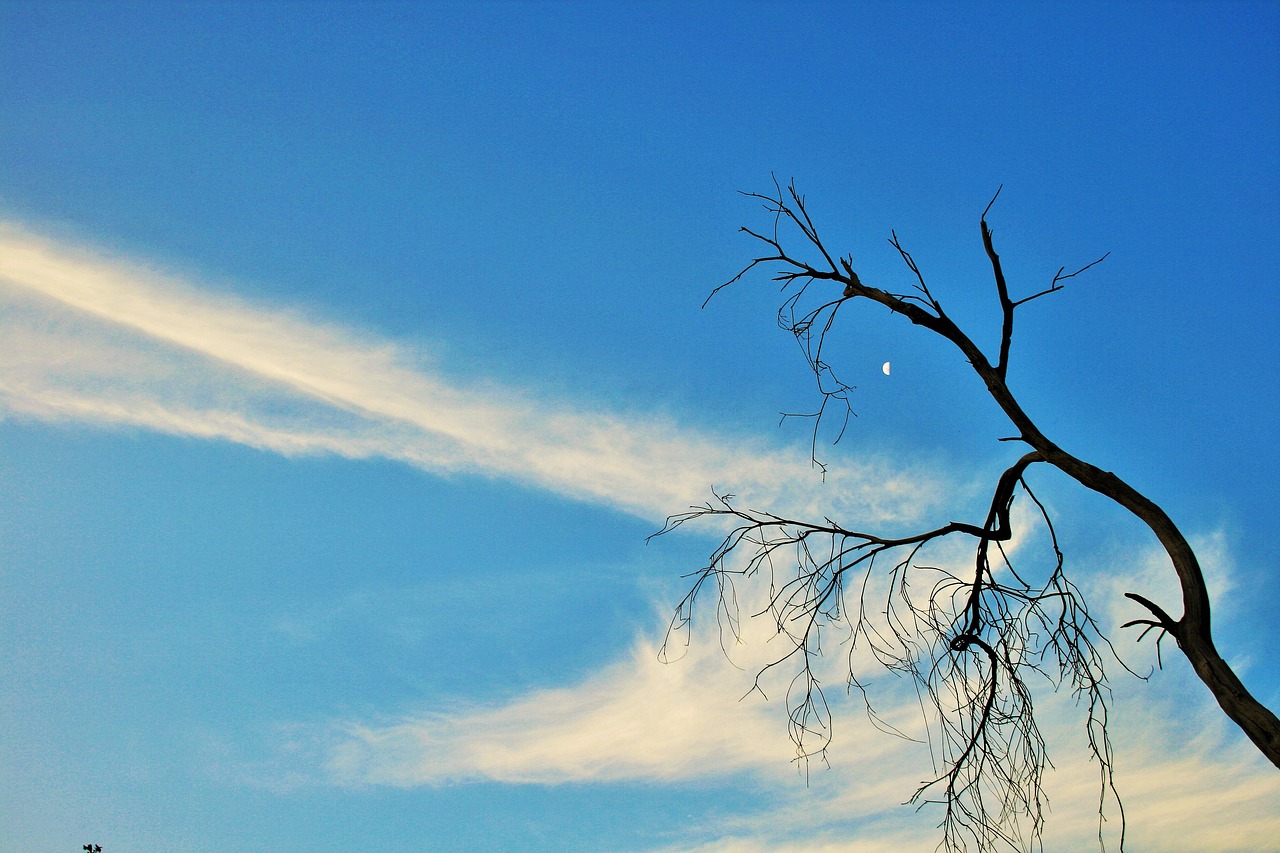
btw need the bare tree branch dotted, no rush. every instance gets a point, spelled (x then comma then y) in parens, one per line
(969, 638)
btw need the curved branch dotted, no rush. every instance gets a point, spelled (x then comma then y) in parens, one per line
(982, 716)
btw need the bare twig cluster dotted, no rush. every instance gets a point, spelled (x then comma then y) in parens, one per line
(971, 639)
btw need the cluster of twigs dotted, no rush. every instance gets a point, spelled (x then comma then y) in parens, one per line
(970, 639)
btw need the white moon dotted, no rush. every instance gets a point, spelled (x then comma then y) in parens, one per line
(885, 368)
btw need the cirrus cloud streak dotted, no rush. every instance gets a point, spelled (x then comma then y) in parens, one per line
(96, 339)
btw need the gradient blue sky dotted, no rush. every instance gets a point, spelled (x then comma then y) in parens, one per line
(348, 353)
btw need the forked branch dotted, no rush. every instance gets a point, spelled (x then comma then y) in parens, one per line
(970, 636)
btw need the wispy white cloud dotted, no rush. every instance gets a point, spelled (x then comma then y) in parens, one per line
(638, 719)
(100, 340)
(1210, 793)
(1189, 781)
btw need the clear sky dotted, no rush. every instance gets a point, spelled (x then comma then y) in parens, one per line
(349, 353)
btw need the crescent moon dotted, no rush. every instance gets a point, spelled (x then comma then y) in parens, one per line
(885, 368)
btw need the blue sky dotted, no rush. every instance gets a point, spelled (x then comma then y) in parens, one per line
(349, 353)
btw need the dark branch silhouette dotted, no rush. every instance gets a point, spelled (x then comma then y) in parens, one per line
(969, 639)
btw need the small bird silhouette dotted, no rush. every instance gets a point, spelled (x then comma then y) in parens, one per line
(93, 848)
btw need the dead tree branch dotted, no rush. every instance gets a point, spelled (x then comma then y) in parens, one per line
(970, 638)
